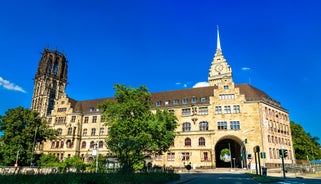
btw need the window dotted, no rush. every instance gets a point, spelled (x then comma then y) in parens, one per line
(73, 118)
(84, 132)
(203, 99)
(62, 109)
(205, 156)
(193, 100)
(203, 111)
(227, 109)
(226, 87)
(170, 156)
(57, 144)
(186, 112)
(188, 142)
(158, 157)
(92, 144)
(91, 109)
(203, 125)
(93, 131)
(49, 120)
(94, 119)
(167, 102)
(53, 144)
(86, 119)
(186, 127)
(227, 96)
(222, 125)
(175, 102)
(60, 120)
(184, 101)
(158, 103)
(61, 144)
(69, 144)
(185, 156)
(101, 144)
(59, 131)
(235, 125)
(102, 118)
(69, 131)
(171, 111)
(218, 110)
(236, 109)
(83, 144)
(101, 131)
(201, 141)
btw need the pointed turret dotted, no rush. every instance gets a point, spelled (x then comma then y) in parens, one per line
(220, 69)
(218, 45)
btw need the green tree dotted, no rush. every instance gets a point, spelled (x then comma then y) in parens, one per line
(22, 128)
(305, 146)
(48, 160)
(72, 162)
(135, 131)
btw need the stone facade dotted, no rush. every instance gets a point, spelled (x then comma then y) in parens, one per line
(220, 116)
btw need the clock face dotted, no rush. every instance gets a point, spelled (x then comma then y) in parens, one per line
(219, 67)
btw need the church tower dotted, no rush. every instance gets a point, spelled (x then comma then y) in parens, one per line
(220, 71)
(50, 81)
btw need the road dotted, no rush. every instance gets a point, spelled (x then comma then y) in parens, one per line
(234, 178)
(209, 178)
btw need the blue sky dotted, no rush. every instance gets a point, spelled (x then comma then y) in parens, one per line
(166, 45)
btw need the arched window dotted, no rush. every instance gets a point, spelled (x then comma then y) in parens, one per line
(101, 144)
(92, 144)
(55, 68)
(203, 125)
(188, 142)
(61, 144)
(186, 127)
(57, 144)
(53, 144)
(83, 144)
(201, 141)
(69, 144)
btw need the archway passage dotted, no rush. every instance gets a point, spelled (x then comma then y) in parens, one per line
(228, 159)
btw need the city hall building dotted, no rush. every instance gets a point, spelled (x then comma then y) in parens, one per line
(223, 115)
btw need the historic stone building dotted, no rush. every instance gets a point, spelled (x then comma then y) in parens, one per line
(223, 115)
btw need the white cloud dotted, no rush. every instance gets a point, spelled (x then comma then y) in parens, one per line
(246, 68)
(10, 86)
(201, 84)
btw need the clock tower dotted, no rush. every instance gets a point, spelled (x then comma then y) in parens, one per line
(220, 71)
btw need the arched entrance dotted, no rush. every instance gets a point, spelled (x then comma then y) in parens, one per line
(230, 152)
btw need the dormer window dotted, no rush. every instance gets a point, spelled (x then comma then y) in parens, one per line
(226, 87)
(194, 100)
(203, 99)
(167, 102)
(158, 103)
(184, 101)
(91, 109)
(175, 102)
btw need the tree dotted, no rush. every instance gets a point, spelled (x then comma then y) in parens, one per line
(305, 146)
(48, 160)
(135, 131)
(22, 129)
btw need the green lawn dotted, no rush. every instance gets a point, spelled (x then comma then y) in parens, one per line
(91, 178)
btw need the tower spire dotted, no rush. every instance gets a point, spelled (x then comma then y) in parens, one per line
(218, 46)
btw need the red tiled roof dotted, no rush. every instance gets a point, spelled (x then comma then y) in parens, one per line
(251, 94)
